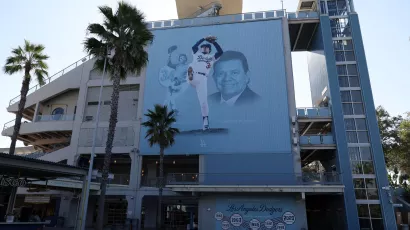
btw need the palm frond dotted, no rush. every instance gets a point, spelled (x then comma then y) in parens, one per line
(18, 51)
(94, 47)
(40, 75)
(39, 56)
(100, 31)
(12, 69)
(15, 60)
(38, 49)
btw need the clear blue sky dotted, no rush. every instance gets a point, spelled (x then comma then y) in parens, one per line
(60, 26)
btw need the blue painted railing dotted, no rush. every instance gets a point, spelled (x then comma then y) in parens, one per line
(317, 140)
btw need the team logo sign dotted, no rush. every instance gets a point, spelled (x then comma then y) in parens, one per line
(288, 218)
(268, 224)
(236, 220)
(219, 216)
(225, 225)
(280, 226)
(254, 224)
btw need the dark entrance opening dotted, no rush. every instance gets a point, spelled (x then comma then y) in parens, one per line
(325, 212)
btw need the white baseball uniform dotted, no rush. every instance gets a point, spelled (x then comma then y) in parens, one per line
(201, 65)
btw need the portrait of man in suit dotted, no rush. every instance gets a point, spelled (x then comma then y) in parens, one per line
(231, 76)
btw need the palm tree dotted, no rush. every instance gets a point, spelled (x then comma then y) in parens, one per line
(160, 132)
(30, 60)
(122, 38)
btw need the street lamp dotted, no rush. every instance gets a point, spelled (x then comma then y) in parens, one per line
(90, 168)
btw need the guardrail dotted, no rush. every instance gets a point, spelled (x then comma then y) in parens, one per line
(306, 178)
(230, 18)
(52, 78)
(9, 124)
(314, 112)
(317, 140)
(56, 117)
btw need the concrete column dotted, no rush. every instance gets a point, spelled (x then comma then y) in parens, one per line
(138, 210)
(81, 209)
(135, 172)
(65, 205)
(36, 111)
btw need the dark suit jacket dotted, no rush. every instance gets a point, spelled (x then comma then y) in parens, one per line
(247, 97)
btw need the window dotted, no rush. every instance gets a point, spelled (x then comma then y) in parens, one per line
(57, 113)
(360, 164)
(354, 154)
(370, 216)
(343, 50)
(340, 26)
(352, 102)
(356, 131)
(347, 74)
(92, 103)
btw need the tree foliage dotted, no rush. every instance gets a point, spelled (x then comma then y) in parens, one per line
(395, 136)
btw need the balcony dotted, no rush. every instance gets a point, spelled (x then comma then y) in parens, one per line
(317, 142)
(48, 132)
(57, 117)
(314, 113)
(238, 179)
(52, 78)
(117, 179)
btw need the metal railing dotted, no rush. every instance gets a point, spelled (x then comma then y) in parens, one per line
(314, 112)
(52, 78)
(9, 124)
(56, 117)
(121, 179)
(42, 118)
(205, 8)
(231, 18)
(317, 140)
(285, 179)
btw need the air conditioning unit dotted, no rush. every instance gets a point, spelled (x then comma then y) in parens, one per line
(89, 118)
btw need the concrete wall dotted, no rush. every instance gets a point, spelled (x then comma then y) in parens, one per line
(67, 101)
(127, 106)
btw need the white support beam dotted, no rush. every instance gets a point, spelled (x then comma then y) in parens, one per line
(297, 38)
(307, 128)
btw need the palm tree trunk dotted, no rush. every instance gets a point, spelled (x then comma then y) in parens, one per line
(108, 148)
(160, 188)
(17, 124)
(19, 115)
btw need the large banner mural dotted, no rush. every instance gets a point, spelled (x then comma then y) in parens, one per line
(227, 85)
(248, 214)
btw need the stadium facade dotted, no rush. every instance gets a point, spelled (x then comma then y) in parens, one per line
(246, 157)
